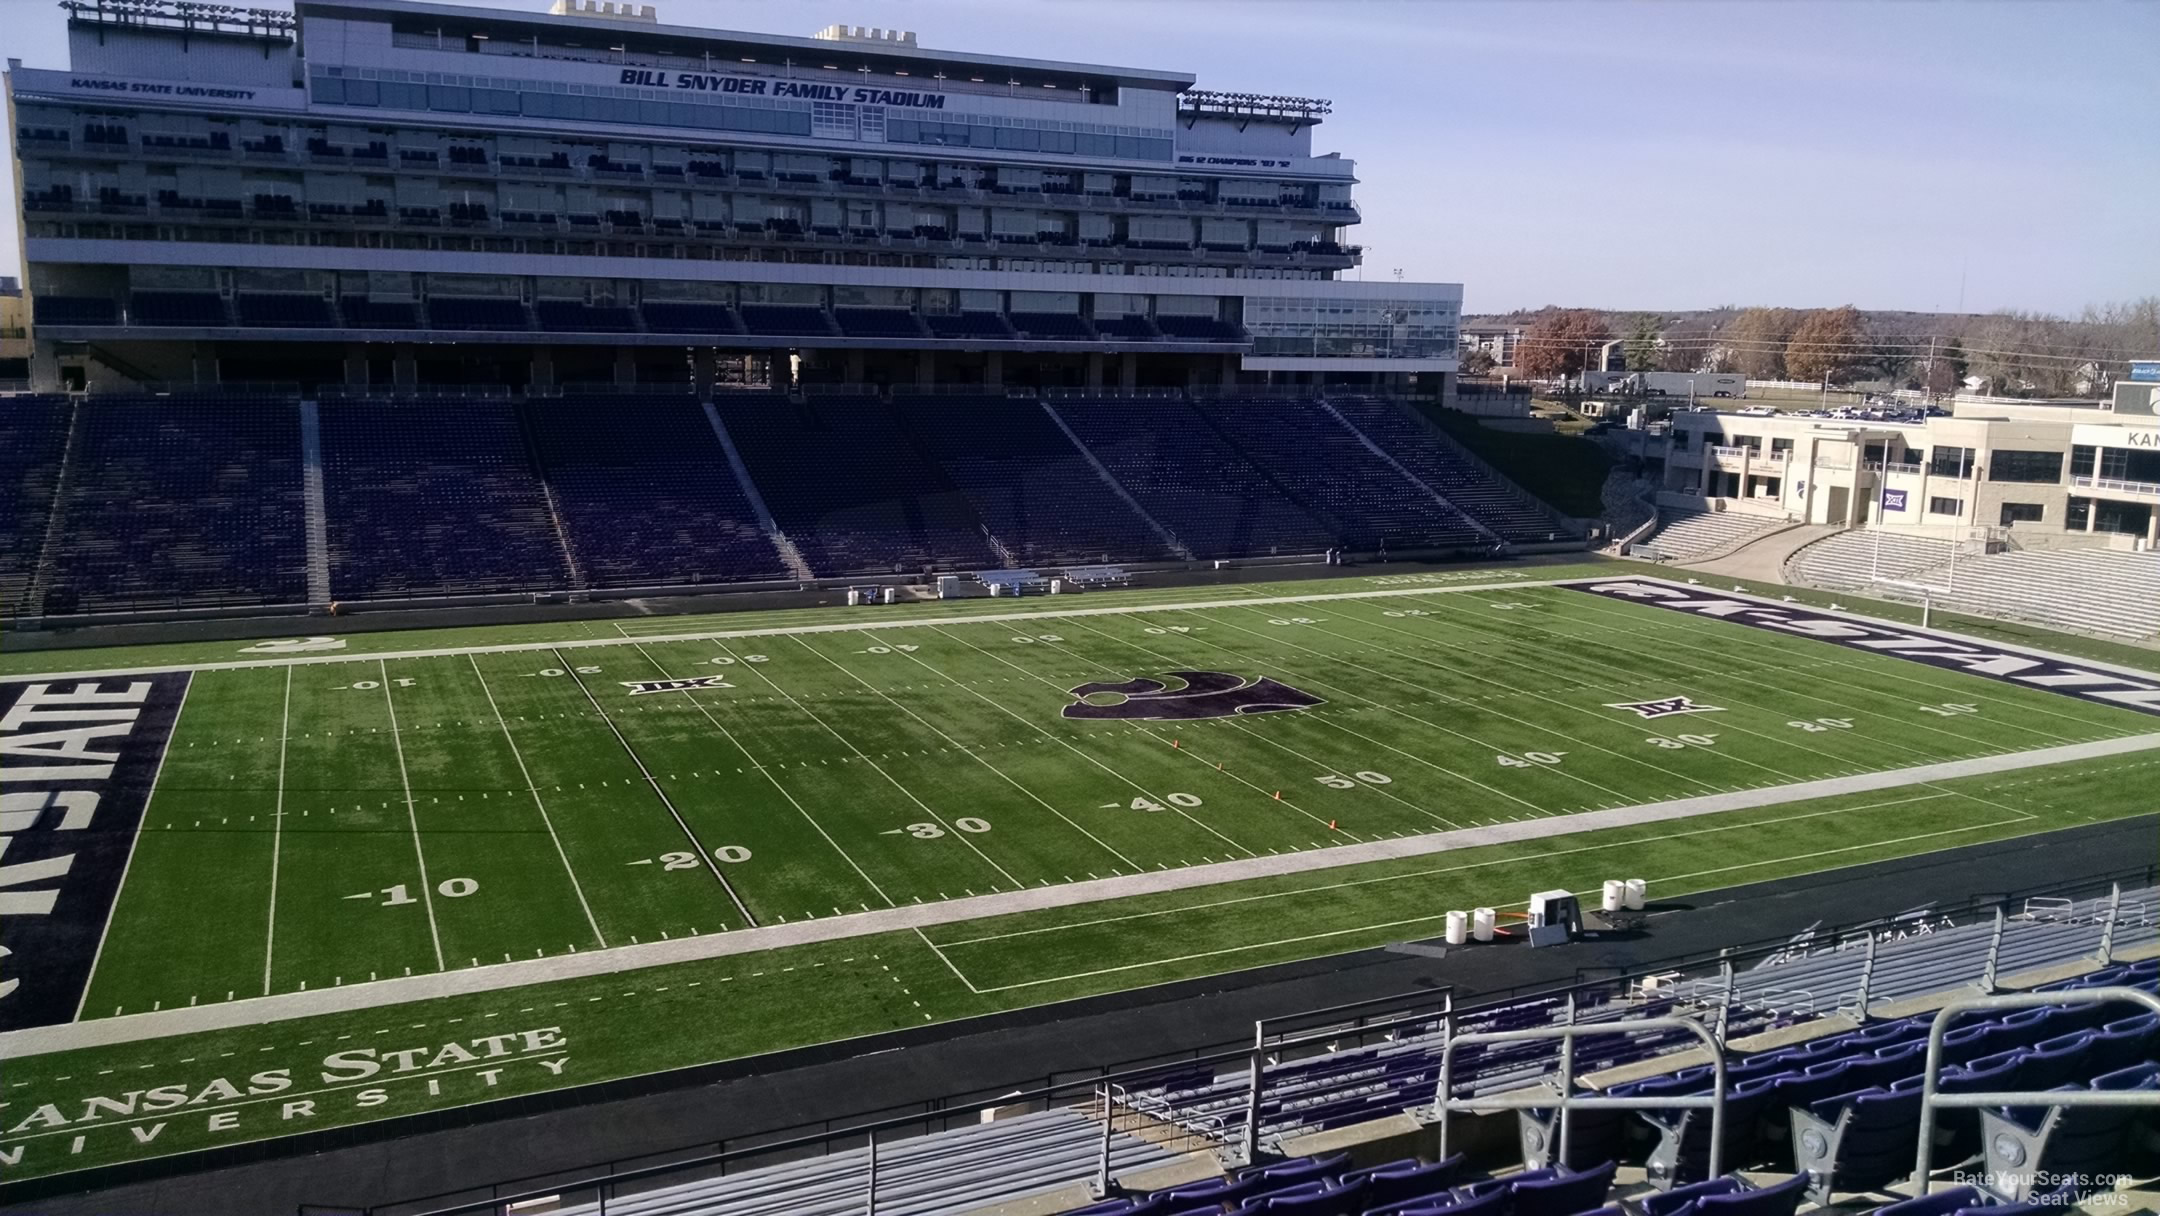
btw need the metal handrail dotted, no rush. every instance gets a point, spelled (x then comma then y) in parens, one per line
(1445, 1102)
(1930, 1097)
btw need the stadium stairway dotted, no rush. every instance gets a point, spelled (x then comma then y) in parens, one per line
(1182, 474)
(1684, 536)
(1470, 484)
(1036, 492)
(36, 438)
(1365, 498)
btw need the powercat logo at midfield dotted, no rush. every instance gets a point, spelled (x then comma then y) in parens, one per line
(77, 761)
(2010, 666)
(1204, 694)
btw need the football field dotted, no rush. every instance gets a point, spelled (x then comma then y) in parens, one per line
(960, 810)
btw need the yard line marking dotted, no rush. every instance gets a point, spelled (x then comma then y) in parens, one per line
(703, 853)
(970, 752)
(519, 756)
(957, 973)
(412, 812)
(1194, 753)
(1774, 740)
(1337, 726)
(1528, 625)
(1580, 742)
(1634, 679)
(1066, 743)
(1449, 697)
(172, 735)
(1844, 659)
(865, 758)
(277, 831)
(767, 774)
(495, 977)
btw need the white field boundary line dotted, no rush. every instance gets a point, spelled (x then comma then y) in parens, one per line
(495, 977)
(770, 631)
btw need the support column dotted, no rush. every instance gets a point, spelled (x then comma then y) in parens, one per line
(994, 369)
(45, 367)
(404, 369)
(543, 369)
(1094, 369)
(356, 375)
(202, 361)
(702, 372)
(926, 368)
(854, 367)
(1229, 371)
(625, 367)
(2152, 527)
(1128, 371)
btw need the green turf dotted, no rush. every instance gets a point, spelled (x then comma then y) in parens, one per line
(325, 824)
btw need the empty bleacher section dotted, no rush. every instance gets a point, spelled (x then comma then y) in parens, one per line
(477, 312)
(2091, 590)
(879, 323)
(645, 494)
(180, 501)
(33, 439)
(1459, 477)
(1034, 490)
(1685, 535)
(689, 317)
(1187, 478)
(430, 497)
(1856, 558)
(1367, 503)
(846, 484)
(786, 320)
(989, 326)
(363, 312)
(177, 308)
(576, 316)
(284, 310)
(1820, 1104)
(986, 1163)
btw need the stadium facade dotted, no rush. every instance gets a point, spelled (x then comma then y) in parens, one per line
(2040, 469)
(397, 193)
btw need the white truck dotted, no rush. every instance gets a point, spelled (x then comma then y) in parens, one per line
(1704, 385)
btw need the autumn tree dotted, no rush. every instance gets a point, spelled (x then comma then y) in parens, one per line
(1827, 342)
(1560, 342)
(1757, 339)
(1477, 361)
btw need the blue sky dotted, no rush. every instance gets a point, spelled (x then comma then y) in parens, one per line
(1642, 155)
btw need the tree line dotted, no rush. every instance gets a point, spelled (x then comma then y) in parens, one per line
(2010, 353)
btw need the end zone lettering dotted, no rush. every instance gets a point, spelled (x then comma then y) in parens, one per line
(267, 1100)
(77, 762)
(2062, 676)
